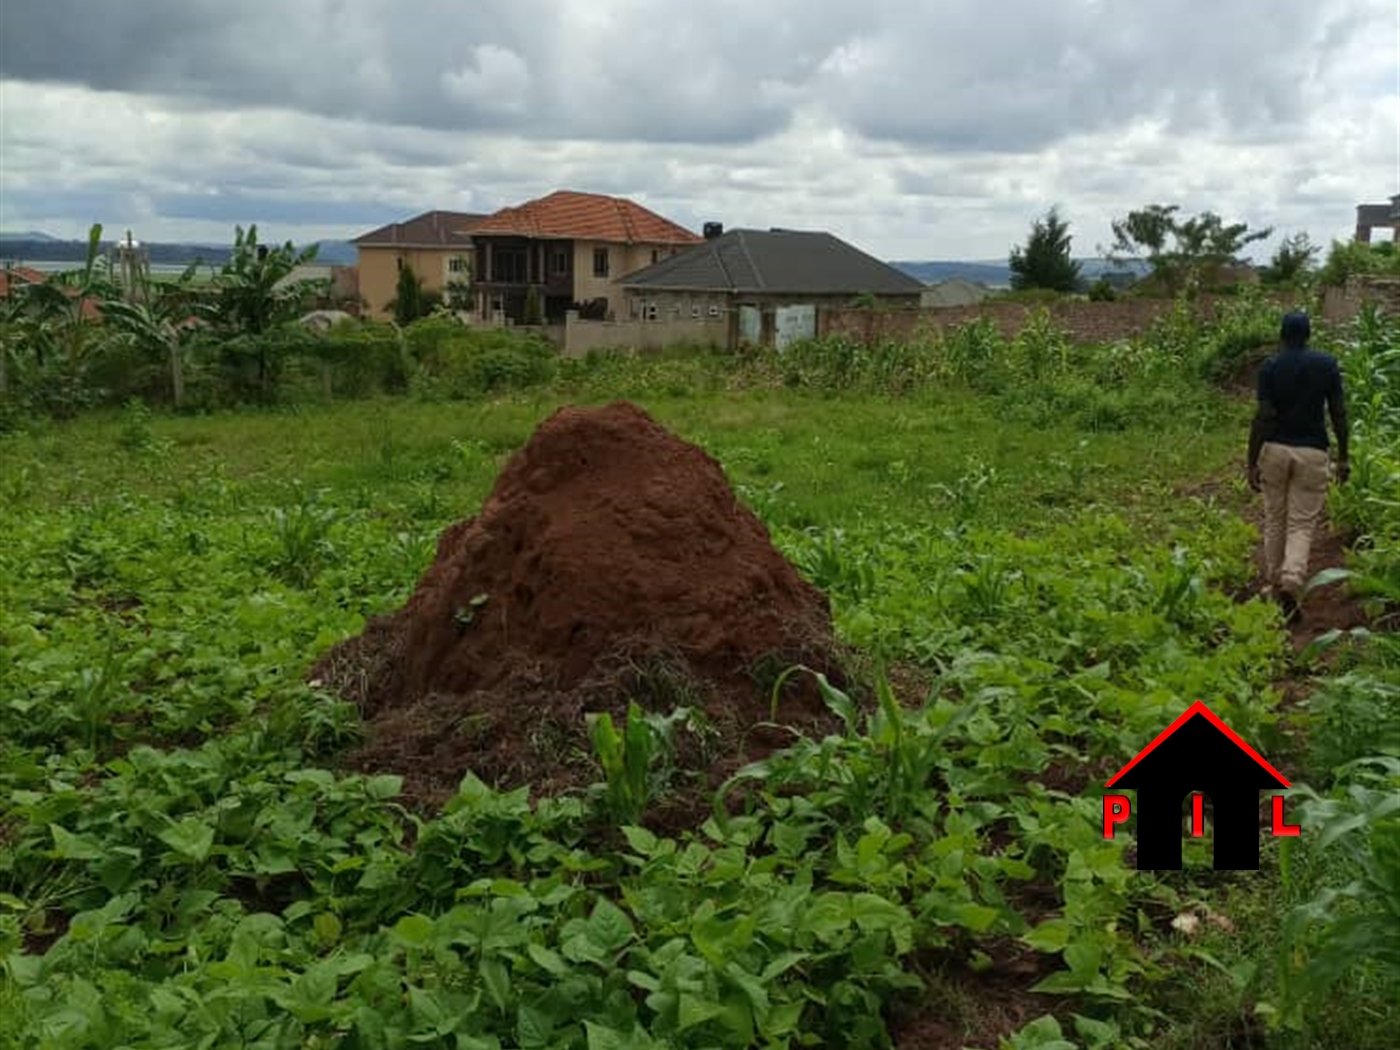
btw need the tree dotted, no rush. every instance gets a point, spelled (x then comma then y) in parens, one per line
(534, 311)
(251, 294)
(154, 319)
(251, 291)
(408, 304)
(59, 324)
(1176, 248)
(459, 295)
(1349, 258)
(1045, 262)
(1293, 259)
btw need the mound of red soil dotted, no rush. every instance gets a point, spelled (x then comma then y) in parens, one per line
(611, 562)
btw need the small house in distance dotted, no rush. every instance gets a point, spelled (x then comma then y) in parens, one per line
(767, 283)
(437, 245)
(953, 292)
(1378, 217)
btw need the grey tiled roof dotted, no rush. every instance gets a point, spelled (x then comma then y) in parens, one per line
(432, 229)
(775, 261)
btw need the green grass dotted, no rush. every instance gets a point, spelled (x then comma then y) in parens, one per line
(836, 458)
(178, 862)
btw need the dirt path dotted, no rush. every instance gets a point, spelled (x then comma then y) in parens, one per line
(1327, 608)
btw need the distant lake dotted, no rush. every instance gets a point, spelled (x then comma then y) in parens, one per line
(50, 266)
(315, 271)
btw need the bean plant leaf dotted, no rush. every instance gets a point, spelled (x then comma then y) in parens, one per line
(1050, 936)
(497, 982)
(608, 927)
(414, 930)
(190, 838)
(69, 846)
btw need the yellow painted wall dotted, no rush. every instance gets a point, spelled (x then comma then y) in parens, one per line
(622, 260)
(379, 273)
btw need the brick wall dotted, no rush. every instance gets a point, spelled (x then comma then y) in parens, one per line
(581, 336)
(1342, 304)
(1086, 322)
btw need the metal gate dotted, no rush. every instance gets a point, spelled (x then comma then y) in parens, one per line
(793, 323)
(750, 325)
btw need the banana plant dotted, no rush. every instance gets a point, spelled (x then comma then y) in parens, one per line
(156, 318)
(61, 325)
(252, 296)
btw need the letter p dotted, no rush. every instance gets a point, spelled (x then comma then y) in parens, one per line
(1116, 810)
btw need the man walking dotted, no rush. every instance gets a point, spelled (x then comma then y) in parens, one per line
(1288, 454)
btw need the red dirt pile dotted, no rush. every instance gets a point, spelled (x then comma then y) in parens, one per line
(611, 561)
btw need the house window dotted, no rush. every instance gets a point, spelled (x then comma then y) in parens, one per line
(655, 255)
(561, 262)
(714, 309)
(458, 264)
(649, 311)
(600, 262)
(508, 266)
(695, 313)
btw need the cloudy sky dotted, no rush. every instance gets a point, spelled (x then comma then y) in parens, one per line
(935, 129)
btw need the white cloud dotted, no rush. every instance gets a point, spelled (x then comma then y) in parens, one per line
(934, 131)
(498, 81)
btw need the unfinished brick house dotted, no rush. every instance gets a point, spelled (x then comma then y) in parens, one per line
(1377, 217)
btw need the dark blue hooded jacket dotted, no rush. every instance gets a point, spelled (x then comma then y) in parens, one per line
(1298, 382)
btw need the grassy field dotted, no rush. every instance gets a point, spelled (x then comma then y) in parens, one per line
(181, 863)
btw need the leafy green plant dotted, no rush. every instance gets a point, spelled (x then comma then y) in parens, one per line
(135, 434)
(1348, 258)
(58, 322)
(184, 860)
(1356, 923)
(251, 296)
(302, 543)
(636, 760)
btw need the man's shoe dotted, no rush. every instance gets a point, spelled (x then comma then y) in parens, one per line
(1289, 604)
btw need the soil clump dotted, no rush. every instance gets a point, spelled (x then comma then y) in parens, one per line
(611, 562)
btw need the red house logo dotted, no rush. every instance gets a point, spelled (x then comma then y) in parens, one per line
(1199, 755)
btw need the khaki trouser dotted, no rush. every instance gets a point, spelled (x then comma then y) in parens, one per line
(1294, 481)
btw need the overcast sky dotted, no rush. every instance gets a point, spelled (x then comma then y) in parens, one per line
(916, 130)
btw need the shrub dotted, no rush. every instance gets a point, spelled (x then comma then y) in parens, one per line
(364, 359)
(1040, 347)
(1346, 259)
(1355, 717)
(483, 361)
(1244, 325)
(1102, 291)
(534, 309)
(975, 353)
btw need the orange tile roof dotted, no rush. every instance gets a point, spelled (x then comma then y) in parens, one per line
(13, 278)
(566, 214)
(22, 275)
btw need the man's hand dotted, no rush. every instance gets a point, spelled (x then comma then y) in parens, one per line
(1343, 471)
(1255, 481)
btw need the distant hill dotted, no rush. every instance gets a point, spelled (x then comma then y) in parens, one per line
(998, 274)
(26, 235)
(27, 248)
(336, 253)
(937, 271)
